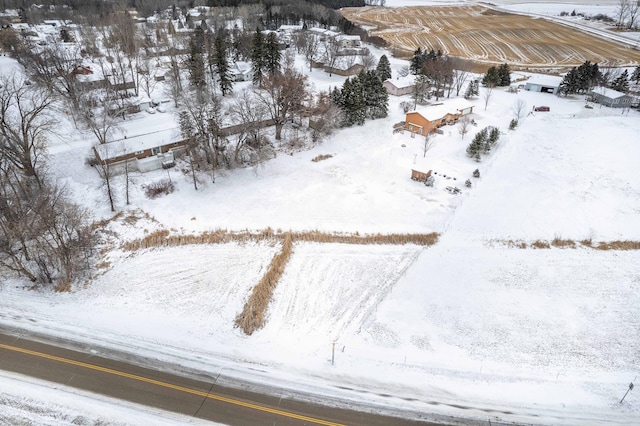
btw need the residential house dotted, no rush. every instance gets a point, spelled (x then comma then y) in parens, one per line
(242, 71)
(612, 98)
(142, 152)
(400, 86)
(427, 120)
(348, 41)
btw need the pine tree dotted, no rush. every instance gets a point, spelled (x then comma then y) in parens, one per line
(384, 68)
(473, 89)
(635, 77)
(375, 95)
(570, 83)
(221, 64)
(588, 76)
(257, 57)
(353, 102)
(195, 60)
(491, 78)
(272, 54)
(476, 146)
(417, 60)
(621, 83)
(492, 139)
(504, 75)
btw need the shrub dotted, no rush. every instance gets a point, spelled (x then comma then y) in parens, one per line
(155, 189)
(513, 124)
(321, 157)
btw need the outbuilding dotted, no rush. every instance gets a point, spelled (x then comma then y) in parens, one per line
(543, 83)
(611, 98)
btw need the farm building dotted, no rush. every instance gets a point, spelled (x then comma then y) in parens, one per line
(544, 84)
(426, 120)
(143, 152)
(400, 86)
(611, 98)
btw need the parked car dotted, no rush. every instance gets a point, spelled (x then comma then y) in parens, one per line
(542, 108)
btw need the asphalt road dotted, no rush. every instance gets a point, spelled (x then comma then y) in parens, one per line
(172, 392)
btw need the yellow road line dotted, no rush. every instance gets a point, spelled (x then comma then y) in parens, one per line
(169, 385)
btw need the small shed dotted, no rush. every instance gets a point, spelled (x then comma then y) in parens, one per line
(611, 98)
(543, 83)
(420, 176)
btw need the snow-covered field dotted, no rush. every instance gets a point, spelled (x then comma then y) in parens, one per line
(468, 327)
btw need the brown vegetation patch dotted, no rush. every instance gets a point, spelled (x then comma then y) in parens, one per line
(540, 244)
(619, 245)
(488, 36)
(559, 242)
(321, 157)
(252, 316)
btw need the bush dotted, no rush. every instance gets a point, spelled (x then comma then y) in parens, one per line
(513, 124)
(155, 189)
(476, 173)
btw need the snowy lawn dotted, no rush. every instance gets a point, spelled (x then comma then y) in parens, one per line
(467, 327)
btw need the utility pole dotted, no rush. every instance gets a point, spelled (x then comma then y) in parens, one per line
(333, 352)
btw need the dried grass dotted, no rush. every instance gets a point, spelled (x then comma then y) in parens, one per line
(163, 239)
(321, 157)
(561, 243)
(619, 245)
(540, 244)
(252, 316)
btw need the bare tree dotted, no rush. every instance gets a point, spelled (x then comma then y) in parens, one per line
(427, 143)
(283, 95)
(368, 62)
(519, 108)
(421, 90)
(331, 53)
(486, 95)
(309, 46)
(622, 9)
(105, 170)
(43, 237)
(251, 113)
(25, 123)
(147, 68)
(460, 72)
(463, 126)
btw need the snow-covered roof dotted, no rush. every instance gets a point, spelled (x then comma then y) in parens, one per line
(545, 80)
(290, 28)
(609, 93)
(400, 82)
(450, 106)
(347, 37)
(131, 145)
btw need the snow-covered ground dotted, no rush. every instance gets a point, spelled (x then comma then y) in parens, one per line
(28, 401)
(468, 327)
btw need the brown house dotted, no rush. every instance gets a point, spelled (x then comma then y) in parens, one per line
(426, 120)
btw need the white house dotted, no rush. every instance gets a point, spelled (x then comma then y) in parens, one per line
(400, 85)
(612, 98)
(242, 71)
(348, 41)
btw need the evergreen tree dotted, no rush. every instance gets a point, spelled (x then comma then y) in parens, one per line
(353, 102)
(221, 64)
(504, 75)
(492, 138)
(272, 54)
(621, 83)
(588, 76)
(257, 57)
(473, 89)
(384, 68)
(476, 146)
(570, 83)
(416, 61)
(635, 77)
(491, 78)
(195, 60)
(375, 94)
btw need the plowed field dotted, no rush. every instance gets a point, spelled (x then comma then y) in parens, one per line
(489, 36)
